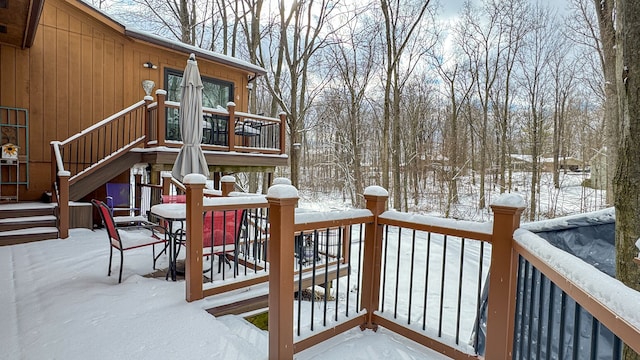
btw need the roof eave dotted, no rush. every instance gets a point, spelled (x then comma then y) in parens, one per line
(257, 70)
(33, 18)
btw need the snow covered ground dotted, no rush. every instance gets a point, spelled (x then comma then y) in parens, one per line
(57, 303)
(571, 198)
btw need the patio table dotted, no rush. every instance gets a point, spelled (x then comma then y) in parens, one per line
(173, 216)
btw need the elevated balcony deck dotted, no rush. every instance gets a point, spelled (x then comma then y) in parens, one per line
(230, 137)
(148, 132)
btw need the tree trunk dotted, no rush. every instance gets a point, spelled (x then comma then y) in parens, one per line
(534, 165)
(357, 198)
(627, 178)
(184, 22)
(604, 9)
(453, 150)
(396, 152)
(556, 144)
(386, 119)
(483, 151)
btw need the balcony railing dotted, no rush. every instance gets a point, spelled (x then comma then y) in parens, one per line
(340, 270)
(223, 129)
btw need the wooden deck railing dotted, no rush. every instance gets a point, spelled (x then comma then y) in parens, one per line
(104, 142)
(223, 129)
(371, 250)
(85, 152)
(595, 319)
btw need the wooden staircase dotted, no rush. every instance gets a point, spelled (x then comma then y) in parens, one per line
(26, 222)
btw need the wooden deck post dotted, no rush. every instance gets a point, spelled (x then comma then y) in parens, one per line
(146, 121)
(193, 263)
(231, 125)
(166, 184)
(282, 202)
(161, 124)
(228, 184)
(63, 204)
(54, 168)
(376, 198)
(283, 132)
(138, 191)
(346, 244)
(217, 180)
(502, 278)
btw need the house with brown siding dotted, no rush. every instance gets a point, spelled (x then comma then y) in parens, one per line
(65, 67)
(72, 101)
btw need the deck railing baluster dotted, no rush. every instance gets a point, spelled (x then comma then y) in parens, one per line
(426, 283)
(339, 262)
(442, 285)
(397, 288)
(384, 268)
(458, 309)
(298, 265)
(413, 256)
(479, 288)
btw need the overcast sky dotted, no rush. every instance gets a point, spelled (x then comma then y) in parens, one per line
(451, 8)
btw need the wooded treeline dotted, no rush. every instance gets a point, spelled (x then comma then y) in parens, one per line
(395, 94)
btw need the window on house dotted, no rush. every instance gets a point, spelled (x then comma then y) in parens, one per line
(215, 93)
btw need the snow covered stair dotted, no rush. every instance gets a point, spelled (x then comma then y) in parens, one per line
(27, 221)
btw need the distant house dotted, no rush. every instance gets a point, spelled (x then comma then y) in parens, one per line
(567, 163)
(66, 66)
(522, 162)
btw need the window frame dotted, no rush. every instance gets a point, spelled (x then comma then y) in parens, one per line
(171, 133)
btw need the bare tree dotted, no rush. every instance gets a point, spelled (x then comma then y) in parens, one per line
(458, 93)
(401, 22)
(562, 69)
(592, 26)
(354, 55)
(417, 133)
(220, 14)
(300, 32)
(247, 17)
(514, 15)
(181, 19)
(483, 43)
(535, 80)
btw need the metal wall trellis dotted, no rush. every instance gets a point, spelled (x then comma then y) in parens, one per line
(14, 128)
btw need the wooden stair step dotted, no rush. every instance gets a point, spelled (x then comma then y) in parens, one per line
(17, 210)
(13, 237)
(17, 223)
(27, 221)
(253, 303)
(241, 307)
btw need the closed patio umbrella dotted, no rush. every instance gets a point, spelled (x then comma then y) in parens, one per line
(190, 158)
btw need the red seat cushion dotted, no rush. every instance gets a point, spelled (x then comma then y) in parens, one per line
(174, 199)
(223, 228)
